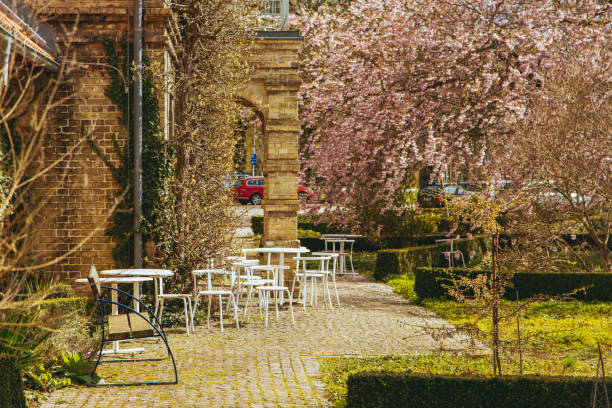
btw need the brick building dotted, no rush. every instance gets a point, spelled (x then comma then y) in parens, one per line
(81, 208)
(80, 211)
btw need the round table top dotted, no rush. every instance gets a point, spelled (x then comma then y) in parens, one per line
(246, 262)
(207, 271)
(138, 272)
(118, 279)
(279, 250)
(323, 236)
(269, 267)
(328, 254)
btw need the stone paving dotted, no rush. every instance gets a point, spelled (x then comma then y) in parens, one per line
(273, 367)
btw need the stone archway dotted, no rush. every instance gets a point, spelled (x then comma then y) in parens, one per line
(272, 93)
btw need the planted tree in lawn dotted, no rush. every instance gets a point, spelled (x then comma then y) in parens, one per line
(394, 85)
(561, 155)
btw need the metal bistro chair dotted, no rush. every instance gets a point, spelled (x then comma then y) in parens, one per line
(212, 291)
(334, 256)
(132, 325)
(185, 297)
(303, 275)
(265, 292)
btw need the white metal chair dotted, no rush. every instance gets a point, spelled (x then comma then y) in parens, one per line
(304, 275)
(212, 291)
(186, 298)
(265, 292)
(332, 271)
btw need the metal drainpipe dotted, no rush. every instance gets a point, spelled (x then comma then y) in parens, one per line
(138, 133)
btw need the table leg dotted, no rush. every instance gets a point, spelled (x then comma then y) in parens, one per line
(281, 275)
(343, 259)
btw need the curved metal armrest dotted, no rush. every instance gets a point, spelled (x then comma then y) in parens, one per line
(154, 317)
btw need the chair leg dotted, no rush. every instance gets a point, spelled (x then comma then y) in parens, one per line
(246, 304)
(266, 296)
(191, 312)
(161, 310)
(336, 289)
(326, 289)
(291, 310)
(235, 311)
(221, 311)
(276, 304)
(208, 318)
(187, 323)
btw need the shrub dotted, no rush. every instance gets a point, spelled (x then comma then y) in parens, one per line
(11, 384)
(429, 283)
(392, 390)
(405, 261)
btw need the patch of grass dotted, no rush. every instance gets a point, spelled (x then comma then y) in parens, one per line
(570, 327)
(403, 285)
(559, 327)
(335, 371)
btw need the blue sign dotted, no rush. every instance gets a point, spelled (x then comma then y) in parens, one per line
(254, 159)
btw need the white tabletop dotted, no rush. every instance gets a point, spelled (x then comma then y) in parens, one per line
(323, 236)
(118, 279)
(207, 271)
(138, 272)
(279, 250)
(328, 254)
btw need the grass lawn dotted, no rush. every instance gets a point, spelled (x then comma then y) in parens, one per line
(560, 338)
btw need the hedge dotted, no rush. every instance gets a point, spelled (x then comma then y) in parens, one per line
(60, 306)
(395, 390)
(429, 284)
(11, 383)
(405, 261)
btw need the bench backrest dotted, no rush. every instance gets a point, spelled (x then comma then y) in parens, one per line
(94, 281)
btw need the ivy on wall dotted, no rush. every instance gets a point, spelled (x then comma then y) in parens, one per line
(157, 156)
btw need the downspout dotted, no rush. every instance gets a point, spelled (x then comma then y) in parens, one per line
(138, 133)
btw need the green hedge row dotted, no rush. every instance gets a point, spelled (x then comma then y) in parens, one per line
(61, 306)
(11, 383)
(405, 261)
(429, 283)
(395, 390)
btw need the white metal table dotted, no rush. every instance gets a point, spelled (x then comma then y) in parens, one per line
(114, 281)
(281, 260)
(341, 252)
(155, 274)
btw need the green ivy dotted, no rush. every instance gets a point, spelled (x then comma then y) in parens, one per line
(157, 156)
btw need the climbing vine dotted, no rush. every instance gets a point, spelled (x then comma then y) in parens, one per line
(157, 156)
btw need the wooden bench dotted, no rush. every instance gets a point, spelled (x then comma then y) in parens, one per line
(126, 326)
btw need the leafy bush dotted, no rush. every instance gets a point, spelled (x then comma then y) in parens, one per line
(11, 384)
(405, 261)
(422, 390)
(429, 283)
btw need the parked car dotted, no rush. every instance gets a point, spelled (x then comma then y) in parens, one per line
(433, 197)
(251, 189)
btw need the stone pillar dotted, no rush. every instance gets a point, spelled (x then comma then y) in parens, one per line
(275, 59)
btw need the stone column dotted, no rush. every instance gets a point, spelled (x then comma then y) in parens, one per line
(276, 65)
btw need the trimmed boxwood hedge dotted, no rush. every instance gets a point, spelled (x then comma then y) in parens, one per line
(429, 283)
(400, 390)
(11, 383)
(405, 261)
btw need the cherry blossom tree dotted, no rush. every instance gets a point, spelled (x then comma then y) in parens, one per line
(395, 85)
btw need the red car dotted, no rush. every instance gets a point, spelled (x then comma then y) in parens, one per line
(252, 189)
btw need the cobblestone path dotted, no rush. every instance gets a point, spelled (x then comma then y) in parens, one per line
(273, 367)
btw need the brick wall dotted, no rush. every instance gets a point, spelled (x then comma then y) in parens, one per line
(84, 201)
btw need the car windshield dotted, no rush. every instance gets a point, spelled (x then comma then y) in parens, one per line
(238, 182)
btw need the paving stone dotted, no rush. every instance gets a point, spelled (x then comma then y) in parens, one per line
(268, 367)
